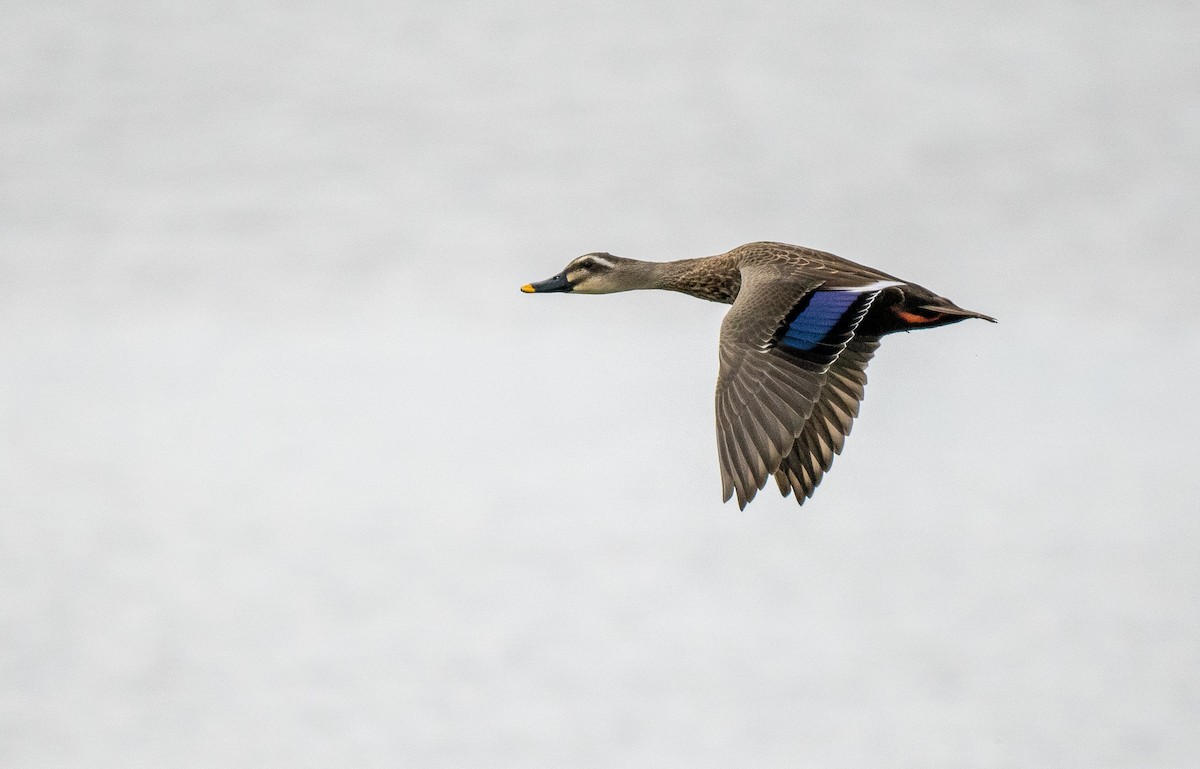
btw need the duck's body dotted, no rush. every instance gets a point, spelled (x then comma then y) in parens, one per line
(794, 347)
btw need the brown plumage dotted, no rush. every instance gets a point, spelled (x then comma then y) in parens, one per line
(794, 347)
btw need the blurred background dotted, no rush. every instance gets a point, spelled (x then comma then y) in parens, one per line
(292, 475)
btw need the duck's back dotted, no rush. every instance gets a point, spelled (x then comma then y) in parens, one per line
(829, 269)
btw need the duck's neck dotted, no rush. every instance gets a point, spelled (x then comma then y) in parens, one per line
(714, 278)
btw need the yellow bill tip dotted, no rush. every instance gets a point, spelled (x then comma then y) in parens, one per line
(528, 288)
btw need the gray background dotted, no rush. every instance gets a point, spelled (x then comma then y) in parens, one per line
(292, 475)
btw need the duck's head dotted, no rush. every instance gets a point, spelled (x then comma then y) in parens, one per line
(597, 273)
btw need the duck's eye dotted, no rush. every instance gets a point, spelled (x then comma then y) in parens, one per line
(587, 264)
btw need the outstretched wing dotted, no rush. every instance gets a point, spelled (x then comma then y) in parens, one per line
(832, 416)
(778, 343)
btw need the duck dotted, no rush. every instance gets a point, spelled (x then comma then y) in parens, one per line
(793, 347)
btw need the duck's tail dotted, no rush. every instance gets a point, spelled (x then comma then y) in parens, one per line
(911, 307)
(945, 307)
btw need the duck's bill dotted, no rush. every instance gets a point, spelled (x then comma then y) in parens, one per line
(557, 283)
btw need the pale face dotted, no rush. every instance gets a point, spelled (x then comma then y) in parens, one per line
(589, 274)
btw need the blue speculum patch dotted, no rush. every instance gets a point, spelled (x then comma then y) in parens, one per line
(820, 316)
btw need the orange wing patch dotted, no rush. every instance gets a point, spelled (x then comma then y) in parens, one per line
(915, 319)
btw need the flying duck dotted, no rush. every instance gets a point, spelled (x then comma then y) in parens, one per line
(794, 347)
